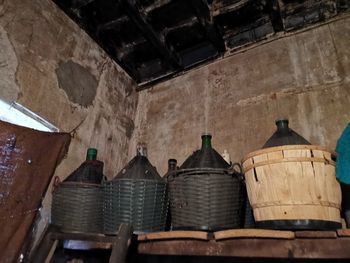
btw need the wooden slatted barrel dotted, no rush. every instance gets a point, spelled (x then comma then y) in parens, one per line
(293, 186)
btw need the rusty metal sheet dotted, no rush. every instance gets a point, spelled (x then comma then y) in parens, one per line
(28, 159)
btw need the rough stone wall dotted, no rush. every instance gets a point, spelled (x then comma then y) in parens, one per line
(49, 65)
(304, 77)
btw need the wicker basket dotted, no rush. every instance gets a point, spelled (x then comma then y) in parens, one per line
(77, 201)
(205, 199)
(293, 186)
(77, 207)
(140, 202)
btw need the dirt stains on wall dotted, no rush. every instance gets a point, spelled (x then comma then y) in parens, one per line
(303, 77)
(8, 67)
(49, 65)
(52, 67)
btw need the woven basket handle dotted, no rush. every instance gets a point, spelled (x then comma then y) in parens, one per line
(104, 179)
(56, 182)
(240, 170)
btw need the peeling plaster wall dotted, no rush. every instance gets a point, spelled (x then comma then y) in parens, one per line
(37, 42)
(304, 77)
(41, 49)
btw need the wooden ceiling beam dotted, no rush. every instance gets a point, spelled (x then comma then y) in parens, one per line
(188, 23)
(157, 39)
(157, 4)
(113, 23)
(77, 4)
(219, 7)
(204, 17)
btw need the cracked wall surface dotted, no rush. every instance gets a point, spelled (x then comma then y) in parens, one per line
(36, 39)
(304, 77)
(41, 49)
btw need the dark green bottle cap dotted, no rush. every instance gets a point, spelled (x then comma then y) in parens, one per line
(91, 154)
(206, 141)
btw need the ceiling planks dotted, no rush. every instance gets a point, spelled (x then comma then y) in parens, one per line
(155, 39)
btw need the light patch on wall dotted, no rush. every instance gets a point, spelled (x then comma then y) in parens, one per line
(17, 114)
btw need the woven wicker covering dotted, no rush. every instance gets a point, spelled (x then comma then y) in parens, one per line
(137, 196)
(205, 199)
(140, 202)
(77, 201)
(77, 207)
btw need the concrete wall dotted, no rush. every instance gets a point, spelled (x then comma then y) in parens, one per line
(49, 65)
(304, 77)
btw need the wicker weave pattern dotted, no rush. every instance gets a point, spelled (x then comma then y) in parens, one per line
(77, 208)
(205, 200)
(143, 203)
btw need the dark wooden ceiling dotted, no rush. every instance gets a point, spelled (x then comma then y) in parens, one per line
(155, 39)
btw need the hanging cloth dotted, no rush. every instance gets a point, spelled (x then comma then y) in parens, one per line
(343, 156)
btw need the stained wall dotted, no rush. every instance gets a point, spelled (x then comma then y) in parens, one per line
(49, 65)
(304, 77)
(52, 67)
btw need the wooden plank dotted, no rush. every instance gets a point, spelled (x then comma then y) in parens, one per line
(141, 21)
(86, 245)
(174, 235)
(343, 223)
(42, 250)
(83, 237)
(203, 14)
(121, 244)
(316, 234)
(252, 248)
(343, 232)
(253, 233)
(221, 7)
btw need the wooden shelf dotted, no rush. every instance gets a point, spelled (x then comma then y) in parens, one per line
(256, 243)
(242, 243)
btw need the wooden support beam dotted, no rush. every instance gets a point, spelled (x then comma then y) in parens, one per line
(250, 248)
(183, 24)
(157, 40)
(219, 7)
(343, 232)
(156, 4)
(113, 24)
(204, 17)
(121, 244)
(316, 234)
(77, 4)
(42, 250)
(82, 236)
